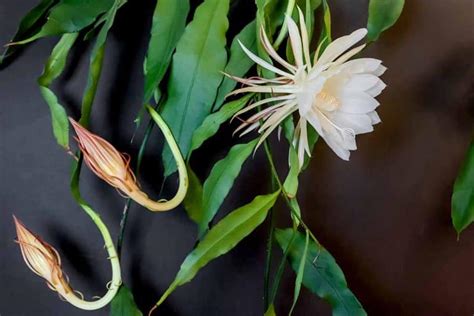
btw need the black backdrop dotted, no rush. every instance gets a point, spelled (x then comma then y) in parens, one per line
(384, 215)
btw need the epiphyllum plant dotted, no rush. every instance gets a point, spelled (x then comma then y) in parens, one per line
(334, 95)
(330, 92)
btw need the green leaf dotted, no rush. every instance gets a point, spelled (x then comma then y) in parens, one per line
(322, 275)
(462, 201)
(382, 15)
(193, 200)
(123, 304)
(95, 64)
(300, 274)
(211, 124)
(239, 63)
(220, 181)
(196, 73)
(222, 238)
(169, 20)
(29, 25)
(69, 16)
(53, 68)
(326, 34)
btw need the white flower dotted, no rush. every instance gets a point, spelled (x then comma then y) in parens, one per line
(334, 95)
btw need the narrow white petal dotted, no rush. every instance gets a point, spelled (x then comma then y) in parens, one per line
(267, 89)
(340, 45)
(263, 63)
(261, 102)
(348, 55)
(305, 40)
(295, 40)
(271, 51)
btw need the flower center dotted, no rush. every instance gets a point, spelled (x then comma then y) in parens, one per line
(326, 101)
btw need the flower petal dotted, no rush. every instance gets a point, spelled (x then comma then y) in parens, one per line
(358, 103)
(340, 45)
(263, 63)
(295, 40)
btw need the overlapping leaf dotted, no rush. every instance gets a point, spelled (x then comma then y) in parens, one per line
(53, 68)
(169, 20)
(69, 16)
(196, 73)
(322, 275)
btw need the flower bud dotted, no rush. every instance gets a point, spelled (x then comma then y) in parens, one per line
(41, 258)
(105, 161)
(114, 168)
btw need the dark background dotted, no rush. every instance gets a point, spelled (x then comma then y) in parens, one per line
(385, 215)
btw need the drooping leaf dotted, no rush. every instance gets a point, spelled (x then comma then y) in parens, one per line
(239, 63)
(300, 274)
(95, 64)
(222, 238)
(193, 200)
(220, 181)
(462, 201)
(382, 15)
(69, 16)
(123, 304)
(29, 25)
(195, 74)
(169, 20)
(211, 124)
(322, 275)
(53, 68)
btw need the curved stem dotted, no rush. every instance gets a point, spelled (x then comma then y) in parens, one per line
(163, 205)
(116, 281)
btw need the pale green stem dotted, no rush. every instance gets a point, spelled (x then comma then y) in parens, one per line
(116, 281)
(163, 205)
(284, 29)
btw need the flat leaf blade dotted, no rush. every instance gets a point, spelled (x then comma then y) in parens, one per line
(322, 275)
(169, 20)
(224, 236)
(462, 201)
(123, 304)
(382, 15)
(217, 186)
(53, 68)
(212, 122)
(69, 16)
(195, 74)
